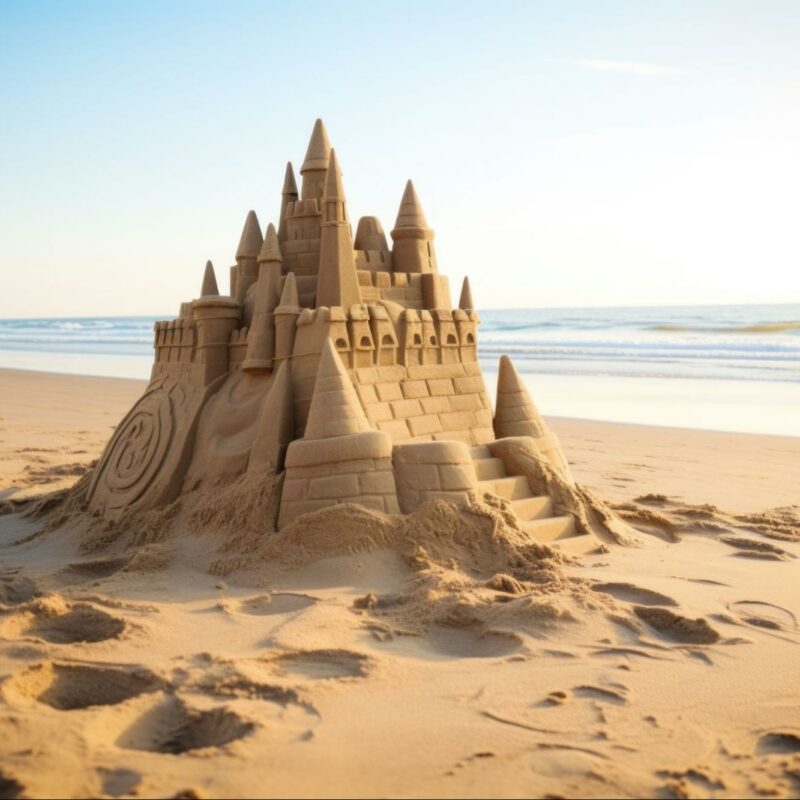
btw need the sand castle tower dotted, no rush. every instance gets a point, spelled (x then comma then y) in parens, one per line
(339, 362)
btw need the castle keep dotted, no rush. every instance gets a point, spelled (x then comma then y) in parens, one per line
(337, 360)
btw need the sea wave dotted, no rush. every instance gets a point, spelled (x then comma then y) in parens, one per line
(766, 327)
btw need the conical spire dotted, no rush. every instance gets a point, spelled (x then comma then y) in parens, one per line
(289, 184)
(289, 297)
(410, 214)
(318, 149)
(270, 250)
(335, 407)
(334, 190)
(337, 281)
(209, 288)
(465, 301)
(251, 241)
(515, 413)
(275, 425)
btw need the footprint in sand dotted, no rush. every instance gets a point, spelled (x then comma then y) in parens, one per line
(764, 615)
(68, 687)
(614, 696)
(276, 603)
(10, 788)
(119, 782)
(463, 643)
(54, 620)
(629, 593)
(323, 664)
(778, 743)
(172, 727)
(676, 627)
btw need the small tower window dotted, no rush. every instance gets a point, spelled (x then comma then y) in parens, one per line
(366, 341)
(341, 344)
(470, 339)
(451, 339)
(433, 340)
(417, 339)
(387, 340)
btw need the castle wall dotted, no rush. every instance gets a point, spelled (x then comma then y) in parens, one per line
(426, 470)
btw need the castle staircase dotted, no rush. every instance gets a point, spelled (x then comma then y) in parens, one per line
(535, 512)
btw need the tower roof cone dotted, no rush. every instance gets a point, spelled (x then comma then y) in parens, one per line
(334, 190)
(465, 302)
(515, 413)
(410, 214)
(318, 149)
(209, 288)
(289, 296)
(335, 407)
(370, 235)
(289, 183)
(251, 241)
(271, 249)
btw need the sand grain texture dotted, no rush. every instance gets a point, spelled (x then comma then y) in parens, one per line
(362, 654)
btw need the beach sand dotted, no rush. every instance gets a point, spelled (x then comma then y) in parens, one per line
(415, 665)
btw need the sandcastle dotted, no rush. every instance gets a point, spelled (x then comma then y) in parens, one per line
(338, 365)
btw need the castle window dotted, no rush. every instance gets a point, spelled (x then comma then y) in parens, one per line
(470, 339)
(417, 339)
(387, 340)
(366, 341)
(451, 339)
(341, 344)
(433, 340)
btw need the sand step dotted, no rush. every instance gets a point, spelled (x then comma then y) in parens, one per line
(480, 451)
(550, 529)
(528, 508)
(488, 468)
(514, 487)
(577, 545)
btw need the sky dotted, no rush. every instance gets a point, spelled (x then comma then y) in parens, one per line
(566, 153)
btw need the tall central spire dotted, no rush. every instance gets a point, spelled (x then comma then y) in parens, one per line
(316, 162)
(337, 281)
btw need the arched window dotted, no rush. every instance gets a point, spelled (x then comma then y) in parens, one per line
(451, 339)
(470, 339)
(366, 341)
(387, 340)
(417, 339)
(341, 344)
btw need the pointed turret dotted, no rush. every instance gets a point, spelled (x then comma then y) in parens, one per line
(516, 415)
(465, 302)
(209, 288)
(289, 296)
(316, 162)
(286, 315)
(251, 241)
(275, 425)
(337, 281)
(410, 213)
(413, 239)
(261, 336)
(335, 407)
(288, 195)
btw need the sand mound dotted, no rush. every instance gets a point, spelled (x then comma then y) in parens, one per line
(676, 627)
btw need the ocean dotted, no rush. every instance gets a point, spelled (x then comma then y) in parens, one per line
(732, 368)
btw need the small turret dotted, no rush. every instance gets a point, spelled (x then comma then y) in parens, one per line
(286, 315)
(315, 164)
(209, 288)
(516, 415)
(465, 302)
(247, 255)
(337, 281)
(261, 336)
(288, 195)
(413, 239)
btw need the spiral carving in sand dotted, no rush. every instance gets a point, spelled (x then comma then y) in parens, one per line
(144, 457)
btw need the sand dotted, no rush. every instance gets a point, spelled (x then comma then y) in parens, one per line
(437, 655)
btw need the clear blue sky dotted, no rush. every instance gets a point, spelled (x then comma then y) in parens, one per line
(587, 153)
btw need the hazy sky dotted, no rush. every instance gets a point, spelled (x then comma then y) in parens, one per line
(588, 153)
